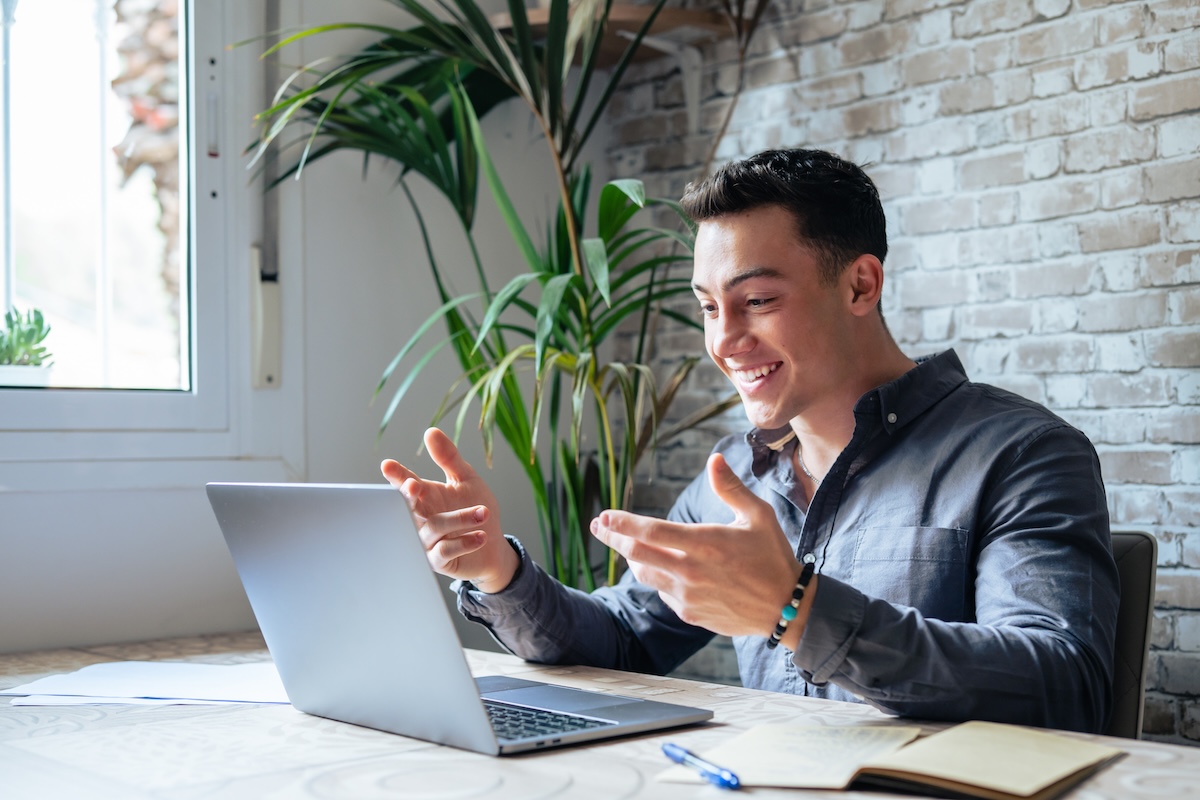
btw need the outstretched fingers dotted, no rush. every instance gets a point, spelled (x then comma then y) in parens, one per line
(395, 472)
(444, 555)
(642, 540)
(460, 521)
(445, 454)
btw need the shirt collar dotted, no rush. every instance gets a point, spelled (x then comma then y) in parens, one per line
(901, 401)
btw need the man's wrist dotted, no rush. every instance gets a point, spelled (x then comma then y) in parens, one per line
(795, 629)
(510, 567)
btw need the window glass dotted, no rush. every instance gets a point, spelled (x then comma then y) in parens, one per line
(94, 190)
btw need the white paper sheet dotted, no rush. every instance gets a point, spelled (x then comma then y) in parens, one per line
(76, 700)
(256, 682)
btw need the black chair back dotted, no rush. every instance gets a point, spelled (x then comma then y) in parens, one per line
(1136, 554)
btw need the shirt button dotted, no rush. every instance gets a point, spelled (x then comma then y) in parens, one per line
(891, 418)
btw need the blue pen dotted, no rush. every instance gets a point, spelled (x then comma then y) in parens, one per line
(717, 776)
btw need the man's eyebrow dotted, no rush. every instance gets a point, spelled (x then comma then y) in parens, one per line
(741, 277)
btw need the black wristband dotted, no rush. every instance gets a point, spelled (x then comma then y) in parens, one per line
(788, 612)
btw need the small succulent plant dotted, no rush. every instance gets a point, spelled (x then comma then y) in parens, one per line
(21, 339)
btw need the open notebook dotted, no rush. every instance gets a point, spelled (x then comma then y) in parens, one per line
(357, 625)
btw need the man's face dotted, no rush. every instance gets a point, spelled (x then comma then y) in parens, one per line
(769, 323)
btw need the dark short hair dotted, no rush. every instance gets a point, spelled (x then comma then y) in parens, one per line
(835, 204)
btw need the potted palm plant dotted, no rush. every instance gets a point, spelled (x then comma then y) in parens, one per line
(535, 354)
(24, 359)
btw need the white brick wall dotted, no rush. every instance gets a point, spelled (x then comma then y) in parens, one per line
(1040, 164)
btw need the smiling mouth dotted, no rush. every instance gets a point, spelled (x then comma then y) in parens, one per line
(752, 375)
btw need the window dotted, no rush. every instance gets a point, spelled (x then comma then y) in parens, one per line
(93, 183)
(203, 407)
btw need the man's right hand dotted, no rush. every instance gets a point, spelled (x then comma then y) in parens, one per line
(458, 520)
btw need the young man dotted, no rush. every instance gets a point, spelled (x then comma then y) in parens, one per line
(958, 533)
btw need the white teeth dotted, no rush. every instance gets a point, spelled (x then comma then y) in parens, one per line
(754, 374)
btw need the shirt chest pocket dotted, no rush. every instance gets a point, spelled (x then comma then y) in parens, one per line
(925, 568)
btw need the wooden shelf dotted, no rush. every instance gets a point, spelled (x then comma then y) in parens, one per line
(679, 25)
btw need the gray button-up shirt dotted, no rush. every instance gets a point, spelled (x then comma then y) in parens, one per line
(963, 546)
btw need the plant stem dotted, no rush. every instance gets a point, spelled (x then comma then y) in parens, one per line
(564, 193)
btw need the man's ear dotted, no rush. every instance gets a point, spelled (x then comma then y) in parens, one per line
(863, 280)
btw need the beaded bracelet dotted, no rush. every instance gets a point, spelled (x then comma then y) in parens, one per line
(788, 613)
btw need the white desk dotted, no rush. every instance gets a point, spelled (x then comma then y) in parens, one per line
(274, 752)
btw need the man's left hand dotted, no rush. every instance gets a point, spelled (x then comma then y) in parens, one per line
(731, 579)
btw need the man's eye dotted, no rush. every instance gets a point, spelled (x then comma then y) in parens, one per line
(759, 302)
(707, 309)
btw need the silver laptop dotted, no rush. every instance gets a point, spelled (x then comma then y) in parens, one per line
(357, 624)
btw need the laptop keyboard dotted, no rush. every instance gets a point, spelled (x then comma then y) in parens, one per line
(518, 722)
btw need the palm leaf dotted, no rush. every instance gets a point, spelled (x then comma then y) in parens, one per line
(501, 303)
(619, 201)
(511, 219)
(430, 321)
(548, 316)
(596, 257)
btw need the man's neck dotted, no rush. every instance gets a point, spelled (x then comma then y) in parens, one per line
(825, 428)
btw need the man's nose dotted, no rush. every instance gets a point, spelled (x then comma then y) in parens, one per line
(728, 336)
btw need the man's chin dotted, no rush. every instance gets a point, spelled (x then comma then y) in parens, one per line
(767, 421)
(762, 413)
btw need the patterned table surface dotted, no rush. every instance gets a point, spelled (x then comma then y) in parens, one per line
(274, 752)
